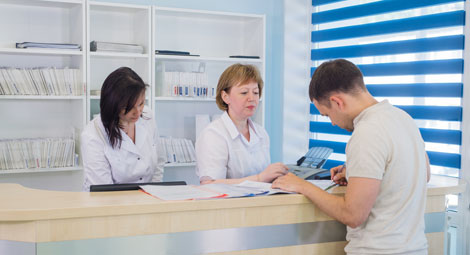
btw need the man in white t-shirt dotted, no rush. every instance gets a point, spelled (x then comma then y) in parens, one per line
(387, 166)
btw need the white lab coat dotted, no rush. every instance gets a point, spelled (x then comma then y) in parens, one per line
(131, 163)
(222, 152)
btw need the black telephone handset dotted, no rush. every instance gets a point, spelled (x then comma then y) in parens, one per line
(309, 167)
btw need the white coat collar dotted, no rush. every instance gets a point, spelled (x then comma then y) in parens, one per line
(232, 129)
(140, 138)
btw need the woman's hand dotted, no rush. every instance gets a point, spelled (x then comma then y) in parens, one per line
(338, 175)
(272, 172)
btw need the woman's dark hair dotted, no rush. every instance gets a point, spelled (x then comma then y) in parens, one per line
(121, 90)
(337, 75)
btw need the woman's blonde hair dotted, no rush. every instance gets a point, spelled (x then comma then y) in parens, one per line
(235, 75)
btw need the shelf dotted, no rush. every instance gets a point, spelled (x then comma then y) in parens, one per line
(40, 51)
(180, 164)
(105, 54)
(45, 3)
(207, 59)
(185, 99)
(12, 97)
(41, 170)
(203, 14)
(117, 7)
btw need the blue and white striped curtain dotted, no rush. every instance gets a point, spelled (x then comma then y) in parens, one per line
(411, 53)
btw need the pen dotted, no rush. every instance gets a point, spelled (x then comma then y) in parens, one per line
(334, 184)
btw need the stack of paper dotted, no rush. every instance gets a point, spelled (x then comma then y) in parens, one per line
(177, 150)
(37, 153)
(66, 46)
(116, 47)
(41, 81)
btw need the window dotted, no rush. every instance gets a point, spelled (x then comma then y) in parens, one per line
(411, 53)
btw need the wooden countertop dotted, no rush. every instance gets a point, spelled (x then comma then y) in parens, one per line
(18, 203)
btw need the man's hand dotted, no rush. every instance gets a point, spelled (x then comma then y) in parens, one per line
(338, 175)
(272, 172)
(289, 182)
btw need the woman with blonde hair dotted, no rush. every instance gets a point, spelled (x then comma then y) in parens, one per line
(233, 148)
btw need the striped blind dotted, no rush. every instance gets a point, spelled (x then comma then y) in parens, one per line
(411, 53)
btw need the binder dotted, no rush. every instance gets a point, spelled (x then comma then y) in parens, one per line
(130, 186)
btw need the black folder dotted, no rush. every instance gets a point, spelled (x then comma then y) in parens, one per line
(130, 186)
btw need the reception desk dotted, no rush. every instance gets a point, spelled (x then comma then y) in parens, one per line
(132, 222)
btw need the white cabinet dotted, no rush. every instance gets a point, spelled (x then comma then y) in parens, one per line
(27, 114)
(116, 23)
(211, 37)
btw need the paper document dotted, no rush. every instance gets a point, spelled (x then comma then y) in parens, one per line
(180, 192)
(322, 184)
(263, 186)
(231, 190)
(213, 190)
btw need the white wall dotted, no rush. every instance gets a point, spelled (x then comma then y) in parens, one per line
(297, 25)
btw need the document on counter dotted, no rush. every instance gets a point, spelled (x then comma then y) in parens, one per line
(210, 191)
(322, 184)
(231, 190)
(181, 192)
(263, 186)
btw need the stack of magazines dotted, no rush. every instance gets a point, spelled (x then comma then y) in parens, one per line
(66, 46)
(41, 81)
(177, 150)
(37, 153)
(116, 47)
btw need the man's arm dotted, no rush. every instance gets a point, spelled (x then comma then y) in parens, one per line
(351, 209)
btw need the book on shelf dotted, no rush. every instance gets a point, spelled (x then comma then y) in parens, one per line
(40, 81)
(116, 47)
(185, 84)
(37, 153)
(177, 150)
(64, 46)
(175, 53)
(172, 52)
(244, 56)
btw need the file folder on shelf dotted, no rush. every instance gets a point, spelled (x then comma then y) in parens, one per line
(68, 46)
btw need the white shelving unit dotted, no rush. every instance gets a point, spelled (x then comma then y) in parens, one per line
(116, 23)
(214, 36)
(30, 116)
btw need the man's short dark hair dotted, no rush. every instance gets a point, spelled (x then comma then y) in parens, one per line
(337, 75)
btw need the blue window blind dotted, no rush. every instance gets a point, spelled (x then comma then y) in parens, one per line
(411, 53)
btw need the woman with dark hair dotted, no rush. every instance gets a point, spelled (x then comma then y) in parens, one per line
(120, 145)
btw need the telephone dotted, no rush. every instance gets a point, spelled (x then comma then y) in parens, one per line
(309, 167)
